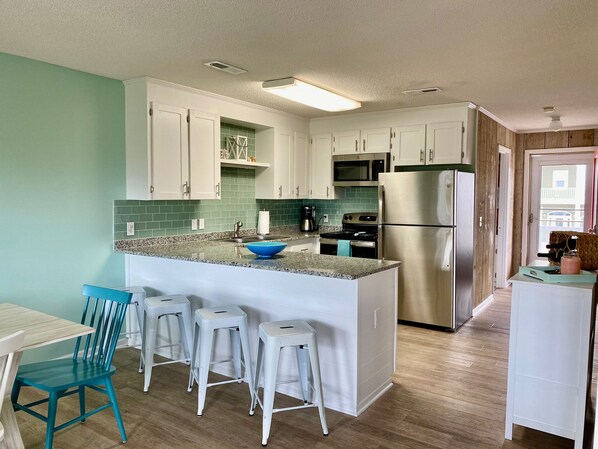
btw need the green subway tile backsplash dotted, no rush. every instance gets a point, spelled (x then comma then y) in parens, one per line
(173, 217)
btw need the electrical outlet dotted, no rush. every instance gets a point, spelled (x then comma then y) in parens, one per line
(202, 223)
(325, 220)
(194, 224)
(130, 228)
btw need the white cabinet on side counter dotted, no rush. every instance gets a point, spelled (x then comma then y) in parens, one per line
(172, 152)
(550, 357)
(287, 152)
(431, 144)
(375, 140)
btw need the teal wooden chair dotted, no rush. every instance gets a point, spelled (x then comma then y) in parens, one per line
(89, 367)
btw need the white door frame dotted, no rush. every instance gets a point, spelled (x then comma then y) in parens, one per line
(505, 222)
(526, 187)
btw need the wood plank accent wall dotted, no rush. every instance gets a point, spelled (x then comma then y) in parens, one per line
(540, 141)
(490, 135)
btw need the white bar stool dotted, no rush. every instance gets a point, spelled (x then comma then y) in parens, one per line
(156, 307)
(136, 305)
(274, 336)
(207, 321)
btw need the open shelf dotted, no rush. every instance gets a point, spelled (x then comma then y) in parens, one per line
(242, 164)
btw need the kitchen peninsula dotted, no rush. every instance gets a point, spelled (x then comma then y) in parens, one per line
(351, 303)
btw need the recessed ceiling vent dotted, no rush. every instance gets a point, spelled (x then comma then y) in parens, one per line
(423, 90)
(219, 65)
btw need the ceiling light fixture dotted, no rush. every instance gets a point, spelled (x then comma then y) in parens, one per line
(304, 93)
(555, 124)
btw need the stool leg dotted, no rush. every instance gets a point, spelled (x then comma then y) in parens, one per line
(139, 314)
(256, 379)
(150, 326)
(315, 369)
(205, 354)
(235, 344)
(142, 356)
(185, 326)
(272, 353)
(193, 375)
(246, 356)
(303, 365)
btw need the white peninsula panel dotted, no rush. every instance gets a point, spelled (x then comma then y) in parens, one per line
(355, 319)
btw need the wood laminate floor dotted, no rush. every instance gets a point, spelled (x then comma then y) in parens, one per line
(449, 392)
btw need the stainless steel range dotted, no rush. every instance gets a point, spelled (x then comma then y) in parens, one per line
(360, 229)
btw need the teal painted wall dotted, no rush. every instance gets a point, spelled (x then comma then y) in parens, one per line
(62, 163)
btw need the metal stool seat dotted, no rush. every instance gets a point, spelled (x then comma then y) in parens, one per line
(207, 321)
(274, 336)
(154, 308)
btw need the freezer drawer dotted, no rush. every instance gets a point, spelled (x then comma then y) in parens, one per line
(426, 287)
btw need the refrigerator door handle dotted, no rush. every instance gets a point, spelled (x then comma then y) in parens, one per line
(381, 219)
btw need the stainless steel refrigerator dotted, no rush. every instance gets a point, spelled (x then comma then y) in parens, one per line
(426, 221)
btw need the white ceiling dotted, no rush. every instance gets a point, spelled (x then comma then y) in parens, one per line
(511, 57)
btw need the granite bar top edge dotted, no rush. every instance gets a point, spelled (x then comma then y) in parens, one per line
(235, 254)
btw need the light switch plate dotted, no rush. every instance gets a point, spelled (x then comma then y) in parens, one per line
(202, 223)
(194, 224)
(130, 228)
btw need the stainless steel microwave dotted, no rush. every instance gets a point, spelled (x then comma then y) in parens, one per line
(359, 169)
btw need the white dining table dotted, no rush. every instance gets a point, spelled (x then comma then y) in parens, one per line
(40, 329)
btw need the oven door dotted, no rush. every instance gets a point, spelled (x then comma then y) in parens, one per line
(365, 250)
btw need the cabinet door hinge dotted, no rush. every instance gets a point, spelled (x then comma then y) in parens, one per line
(151, 189)
(188, 118)
(151, 112)
(463, 130)
(311, 141)
(391, 145)
(462, 154)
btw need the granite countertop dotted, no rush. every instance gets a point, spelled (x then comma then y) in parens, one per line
(236, 254)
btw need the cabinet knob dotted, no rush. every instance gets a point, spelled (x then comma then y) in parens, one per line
(186, 188)
(280, 191)
(421, 156)
(363, 148)
(218, 189)
(431, 155)
(356, 144)
(327, 191)
(297, 190)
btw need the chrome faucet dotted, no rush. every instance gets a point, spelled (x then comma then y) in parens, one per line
(237, 229)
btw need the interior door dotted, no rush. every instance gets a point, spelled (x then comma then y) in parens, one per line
(560, 197)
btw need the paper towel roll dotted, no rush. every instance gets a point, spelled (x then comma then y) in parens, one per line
(263, 222)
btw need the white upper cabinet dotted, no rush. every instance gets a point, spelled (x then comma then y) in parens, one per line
(321, 167)
(169, 153)
(204, 155)
(375, 140)
(283, 165)
(346, 142)
(409, 145)
(432, 144)
(301, 165)
(444, 142)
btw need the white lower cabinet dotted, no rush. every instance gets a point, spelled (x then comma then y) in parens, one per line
(307, 245)
(552, 328)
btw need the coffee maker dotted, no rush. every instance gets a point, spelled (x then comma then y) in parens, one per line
(308, 219)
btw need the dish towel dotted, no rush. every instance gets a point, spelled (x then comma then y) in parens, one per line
(344, 248)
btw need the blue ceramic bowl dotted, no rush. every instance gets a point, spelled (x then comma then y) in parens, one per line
(266, 249)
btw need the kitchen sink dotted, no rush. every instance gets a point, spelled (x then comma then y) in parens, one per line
(254, 238)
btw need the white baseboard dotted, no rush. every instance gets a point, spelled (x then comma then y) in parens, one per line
(483, 305)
